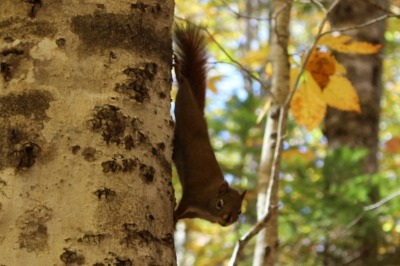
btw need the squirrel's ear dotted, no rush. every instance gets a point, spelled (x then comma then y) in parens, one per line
(223, 188)
(243, 194)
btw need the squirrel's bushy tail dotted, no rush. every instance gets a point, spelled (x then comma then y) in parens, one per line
(191, 58)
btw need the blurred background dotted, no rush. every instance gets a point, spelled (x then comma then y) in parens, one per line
(340, 182)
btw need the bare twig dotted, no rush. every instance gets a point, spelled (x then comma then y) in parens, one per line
(238, 250)
(382, 201)
(359, 26)
(248, 72)
(364, 210)
(320, 5)
(238, 15)
(238, 64)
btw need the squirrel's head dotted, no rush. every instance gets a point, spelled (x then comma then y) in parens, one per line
(227, 205)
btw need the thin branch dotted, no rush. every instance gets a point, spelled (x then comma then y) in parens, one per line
(238, 250)
(382, 201)
(364, 210)
(320, 5)
(359, 26)
(238, 15)
(248, 72)
(238, 64)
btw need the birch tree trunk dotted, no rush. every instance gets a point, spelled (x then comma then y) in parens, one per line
(86, 133)
(266, 250)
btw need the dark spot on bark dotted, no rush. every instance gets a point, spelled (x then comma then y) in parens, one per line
(105, 193)
(69, 257)
(162, 95)
(112, 55)
(60, 42)
(150, 218)
(100, 6)
(120, 164)
(9, 39)
(144, 8)
(136, 85)
(111, 122)
(135, 236)
(12, 51)
(136, 123)
(161, 146)
(275, 114)
(93, 239)
(26, 156)
(129, 164)
(110, 166)
(147, 173)
(168, 239)
(75, 149)
(31, 104)
(123, 262)
(99, 264)
(129, 143)
(5, 70)
(267, 250)
(15, 136)
(33, 230)
(132, 31)
(89, 154)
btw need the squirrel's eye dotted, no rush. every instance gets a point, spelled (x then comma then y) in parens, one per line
(220, 204)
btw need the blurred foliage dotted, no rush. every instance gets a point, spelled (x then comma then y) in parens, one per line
(323, 194)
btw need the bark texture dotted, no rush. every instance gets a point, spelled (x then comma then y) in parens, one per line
(266, 250)
(86, 133)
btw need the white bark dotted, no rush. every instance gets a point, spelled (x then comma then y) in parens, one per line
(85, 136)
(267, 242)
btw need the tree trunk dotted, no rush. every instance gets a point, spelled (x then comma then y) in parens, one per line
(365, 73)
(86, 133)
(266, 250)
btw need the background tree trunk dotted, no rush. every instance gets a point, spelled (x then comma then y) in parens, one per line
(266, 249)
(365, 73)
(86, 133)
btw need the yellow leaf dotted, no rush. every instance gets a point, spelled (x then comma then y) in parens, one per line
(339, 93)
(268, 70)
(212, 82)
(321, 65)
(307, 105)
(264, 110)
(255, 59)
(294, 72)
(344, 44)
(340, 69)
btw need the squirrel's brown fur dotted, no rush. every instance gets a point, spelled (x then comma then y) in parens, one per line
(206, 194)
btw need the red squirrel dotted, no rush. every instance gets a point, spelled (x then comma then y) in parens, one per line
(206, 194)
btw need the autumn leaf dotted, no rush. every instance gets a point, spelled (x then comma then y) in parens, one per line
(294, 155)
(294, 72)
(340, 93)
(344, 44)
(307, 105)
(321, 65)
(340, 69)
(257, 58)
(264, 110)
(393, 145)
(212, 82)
